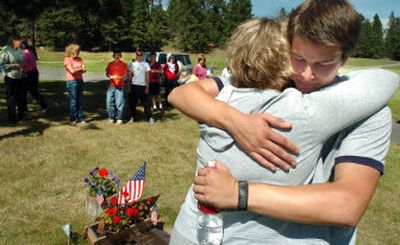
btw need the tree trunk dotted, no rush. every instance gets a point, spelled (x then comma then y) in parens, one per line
(34, 34)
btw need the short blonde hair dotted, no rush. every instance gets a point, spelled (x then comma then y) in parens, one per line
(259, 54)
(72, 50)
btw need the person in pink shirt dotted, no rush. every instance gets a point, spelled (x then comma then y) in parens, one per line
(75, 68)
(32, 79)
(200, 69)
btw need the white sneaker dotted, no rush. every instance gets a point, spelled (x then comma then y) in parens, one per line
(73, 123)
(161, 107)
(82, 123)
(111, 120)
(119, 122)
(154, 107)
(151, 121)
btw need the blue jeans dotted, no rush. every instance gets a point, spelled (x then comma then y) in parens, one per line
(115, 100)
(75, 89)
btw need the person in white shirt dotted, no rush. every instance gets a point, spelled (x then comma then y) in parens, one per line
(138, 74)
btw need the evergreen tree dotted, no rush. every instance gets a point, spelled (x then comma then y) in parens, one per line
(58, 27)
(283, 13)
(238, 11)
(186, 21)
(376, 42)
(392, 40)
(140, 16)
(214, 21)
(364, 48)
(157, 26)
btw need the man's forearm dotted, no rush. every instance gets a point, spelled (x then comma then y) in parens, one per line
(342, 202)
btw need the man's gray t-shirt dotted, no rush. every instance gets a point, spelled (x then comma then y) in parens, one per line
(316, 117)
(367, 143)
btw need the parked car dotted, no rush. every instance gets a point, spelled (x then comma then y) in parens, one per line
(183, 59)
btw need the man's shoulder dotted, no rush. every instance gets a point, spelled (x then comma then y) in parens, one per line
(378, 120)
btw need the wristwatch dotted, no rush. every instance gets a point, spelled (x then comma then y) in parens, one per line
(243, 195)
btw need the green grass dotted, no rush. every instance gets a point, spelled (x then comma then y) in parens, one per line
(44, 162)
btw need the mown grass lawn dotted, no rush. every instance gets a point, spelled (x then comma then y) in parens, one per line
(43, 163)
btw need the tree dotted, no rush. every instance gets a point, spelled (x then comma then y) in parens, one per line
(214, 21)
(376, 42)
(392, 40)
(59, 26)
(27, 13)
(186, 21)
(283, 12)
(238, 11)
(157, 26)
(364, 48)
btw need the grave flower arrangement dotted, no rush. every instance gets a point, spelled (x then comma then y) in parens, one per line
(118, 217)
(102, 182)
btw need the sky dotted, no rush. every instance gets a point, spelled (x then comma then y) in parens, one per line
(368, 8)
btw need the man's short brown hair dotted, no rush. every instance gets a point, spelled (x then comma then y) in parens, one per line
(327, 22)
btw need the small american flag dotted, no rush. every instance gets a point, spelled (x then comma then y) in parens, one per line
(133, 190)
(100, 198)
(154, 214)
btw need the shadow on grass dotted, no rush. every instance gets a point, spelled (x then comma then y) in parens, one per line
(57, 97)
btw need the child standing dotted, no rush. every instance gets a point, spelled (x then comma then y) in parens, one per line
(139, 72)
(116, 71)
(155, 81)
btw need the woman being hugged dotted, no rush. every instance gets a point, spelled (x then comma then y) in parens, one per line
(75, 68)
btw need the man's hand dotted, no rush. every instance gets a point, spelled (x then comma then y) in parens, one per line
(254, 135)
(216, 187)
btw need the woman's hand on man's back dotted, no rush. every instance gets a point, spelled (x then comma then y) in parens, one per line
(254, 134)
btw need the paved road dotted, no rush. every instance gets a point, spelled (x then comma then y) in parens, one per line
(53, 73)
(396, 132)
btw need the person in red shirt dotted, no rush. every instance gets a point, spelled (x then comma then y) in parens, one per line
(155, 81)
(171, 70)
(116, 70)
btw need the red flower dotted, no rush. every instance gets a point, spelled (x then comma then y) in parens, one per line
(103, 172)
(125, 193)
(132, 212)
(114, 201)
(116, 219)
(111, 211)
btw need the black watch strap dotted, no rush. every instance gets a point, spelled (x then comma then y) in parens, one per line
(243, 195)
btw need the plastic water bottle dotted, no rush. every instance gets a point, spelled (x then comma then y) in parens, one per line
(209, 223)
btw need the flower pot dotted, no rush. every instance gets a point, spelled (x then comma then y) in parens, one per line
(143, 233)
(93, 209)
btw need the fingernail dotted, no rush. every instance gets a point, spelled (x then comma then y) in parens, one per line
(294, 164)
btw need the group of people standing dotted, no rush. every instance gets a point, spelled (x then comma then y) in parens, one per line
(137, 80)
(18, 61)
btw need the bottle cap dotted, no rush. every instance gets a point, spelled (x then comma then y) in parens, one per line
(211, 164)
(207, 210)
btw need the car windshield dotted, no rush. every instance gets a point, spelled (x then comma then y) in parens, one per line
(162, 58)
(183, 58)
